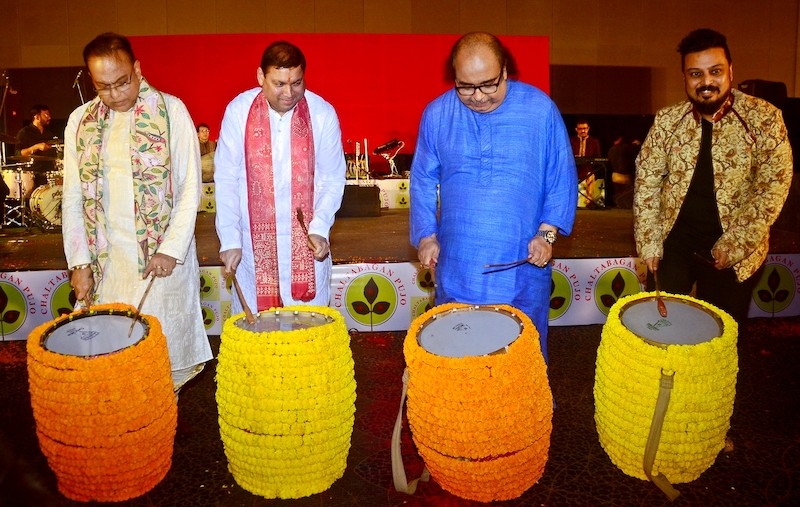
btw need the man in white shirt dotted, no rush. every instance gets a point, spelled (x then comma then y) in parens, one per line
(279, 178)
(131, 190)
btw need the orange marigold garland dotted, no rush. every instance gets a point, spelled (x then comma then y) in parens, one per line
(105, 423)
(482, 424)
(626, 389)
(286, 402)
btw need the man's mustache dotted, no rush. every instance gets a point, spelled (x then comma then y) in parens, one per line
(708, 88)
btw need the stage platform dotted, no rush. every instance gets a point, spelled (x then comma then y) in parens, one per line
(604, 233)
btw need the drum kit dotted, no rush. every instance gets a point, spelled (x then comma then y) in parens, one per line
(26, 204)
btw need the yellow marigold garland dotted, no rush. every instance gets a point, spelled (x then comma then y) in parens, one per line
(286, 404)
(627, 382)
(106, 423)
(481, 424)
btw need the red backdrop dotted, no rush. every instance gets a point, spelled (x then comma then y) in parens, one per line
(379, 84)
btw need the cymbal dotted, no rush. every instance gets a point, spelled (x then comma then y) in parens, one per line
(5, 138)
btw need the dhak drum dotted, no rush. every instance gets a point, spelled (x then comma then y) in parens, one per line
(20, 184)
(665, 386)
(103, 402)
(45, 203)
(479, 401)
(286, 395)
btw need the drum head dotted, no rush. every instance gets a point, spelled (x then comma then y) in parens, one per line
(45, 203)
(284, 321)
(93, 335)
(469, 331)
(687, 323)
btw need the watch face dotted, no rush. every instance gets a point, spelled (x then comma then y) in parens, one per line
(548, 236)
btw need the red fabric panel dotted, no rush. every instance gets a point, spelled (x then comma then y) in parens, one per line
(378, 83)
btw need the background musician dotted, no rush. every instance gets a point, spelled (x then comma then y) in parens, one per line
(36, 139)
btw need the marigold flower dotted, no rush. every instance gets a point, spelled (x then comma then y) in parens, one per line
(286, 404)
(105, 423)
(481, 424)
(627, 384)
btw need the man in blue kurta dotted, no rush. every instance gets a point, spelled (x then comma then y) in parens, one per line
(499, 155)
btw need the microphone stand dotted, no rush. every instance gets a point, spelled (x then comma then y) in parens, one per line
(393, 172)
(6, 86)
(77, 84)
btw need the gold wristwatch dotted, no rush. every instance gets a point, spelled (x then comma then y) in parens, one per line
(549, 236)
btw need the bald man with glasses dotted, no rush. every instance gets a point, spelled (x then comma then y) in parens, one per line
(493, 180)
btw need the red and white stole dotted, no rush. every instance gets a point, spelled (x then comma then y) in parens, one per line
(261, 203)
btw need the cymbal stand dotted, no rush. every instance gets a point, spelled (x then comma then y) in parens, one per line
(15, 213)
(7, 89)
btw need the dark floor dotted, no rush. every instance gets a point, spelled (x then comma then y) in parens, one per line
(762, 470)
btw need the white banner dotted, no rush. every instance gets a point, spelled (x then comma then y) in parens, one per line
(388, 296)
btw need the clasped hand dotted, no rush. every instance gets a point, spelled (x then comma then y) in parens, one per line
(160, 265)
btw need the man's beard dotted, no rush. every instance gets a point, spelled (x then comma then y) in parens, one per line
(707, 107)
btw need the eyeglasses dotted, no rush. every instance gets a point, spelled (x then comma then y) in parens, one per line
(121, 87)
(469, 90)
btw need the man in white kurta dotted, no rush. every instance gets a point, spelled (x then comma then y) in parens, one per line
(283, 87)
(174, 295)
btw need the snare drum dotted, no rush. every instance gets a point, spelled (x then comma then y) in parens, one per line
(45, 203)
(467, 366)
(103, 402)
(286, 382)
(665, 386)
(13, 178)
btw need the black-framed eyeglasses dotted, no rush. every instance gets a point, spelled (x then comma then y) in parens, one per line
(121, 87)
(469, 90)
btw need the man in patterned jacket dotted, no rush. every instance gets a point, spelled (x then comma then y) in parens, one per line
(711, 178)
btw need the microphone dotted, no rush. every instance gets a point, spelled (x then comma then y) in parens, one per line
(7, 84)
(394, 143)
(75, 83)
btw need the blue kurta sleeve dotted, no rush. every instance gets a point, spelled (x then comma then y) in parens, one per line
(561, 184)
(425, 174)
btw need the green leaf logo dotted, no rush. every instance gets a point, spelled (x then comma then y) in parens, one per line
(560, 295)
(613, 285)
(776, 289)
(371, 299)
(12, 308)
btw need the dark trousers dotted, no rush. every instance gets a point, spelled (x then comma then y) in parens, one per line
(679, 270)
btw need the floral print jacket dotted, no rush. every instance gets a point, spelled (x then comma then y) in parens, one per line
(752, 173)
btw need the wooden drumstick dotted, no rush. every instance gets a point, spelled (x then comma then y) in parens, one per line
(662, 307)
(248, 315)
(141, 304)
(302, 220)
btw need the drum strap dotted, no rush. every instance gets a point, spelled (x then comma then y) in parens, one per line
(401, 483)
(653, 439)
